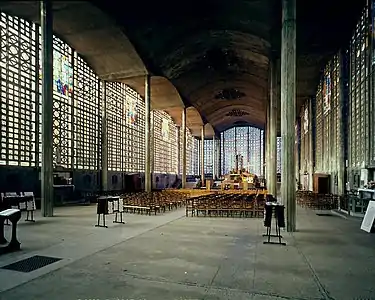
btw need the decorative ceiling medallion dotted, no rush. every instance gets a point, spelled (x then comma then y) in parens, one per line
(229, 94)
(237, 113)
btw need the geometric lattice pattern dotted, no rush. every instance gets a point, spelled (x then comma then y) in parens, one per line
(208, 156)
(62, 104)
(358, 94)
(189, 151)
(115, 105)
(165, 143)
(86, 116)
(278, 147)
(77, 110)
(19, 109)
(244, 141)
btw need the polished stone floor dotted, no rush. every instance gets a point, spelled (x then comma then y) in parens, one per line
(173, 257)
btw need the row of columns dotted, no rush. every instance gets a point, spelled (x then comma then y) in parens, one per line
(47, 124)
(288, 86)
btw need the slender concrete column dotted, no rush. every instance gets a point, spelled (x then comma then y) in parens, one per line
(273, 131)
(202, 156)
(184, 148)
(152, 147)
(288, 110)
(148, 152)
(179, 154)
(47, 108)
(267, 146)
(213, 157)
(311, 148)
(104, 140)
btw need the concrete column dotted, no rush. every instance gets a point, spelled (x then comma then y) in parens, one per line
(272, 176)
(202, 156)
(179, 162)
(148, 150)
(47, 108)
(104, 139)
(267, 146)
(213, 157)
(311, 148)
(288, 111)
(152, 147)
(184, 148)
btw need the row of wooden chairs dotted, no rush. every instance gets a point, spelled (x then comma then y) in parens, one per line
(317, 201)
(229, 205)
(154, 202)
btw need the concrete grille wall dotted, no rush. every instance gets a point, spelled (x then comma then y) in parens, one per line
(247, 141)
(328, 124)
(77, 109)
(165, 143)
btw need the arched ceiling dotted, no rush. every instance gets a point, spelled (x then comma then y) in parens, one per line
(209, 48)
(97, 37)
(206, 47)
(194, 121)
(91, 32)
(209, 131)
(215, 52)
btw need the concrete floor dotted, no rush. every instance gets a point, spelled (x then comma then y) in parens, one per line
(173, 257)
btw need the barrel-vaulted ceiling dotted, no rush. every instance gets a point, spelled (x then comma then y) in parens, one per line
(211, 55)
(216, 52)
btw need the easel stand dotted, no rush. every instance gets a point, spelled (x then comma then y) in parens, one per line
(278, 212)
(118, 209)
(102, 209)
(110, 205)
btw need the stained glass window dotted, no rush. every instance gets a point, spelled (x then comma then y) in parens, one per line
(208, 156)
(86, 116)
(62, 73)
(247, 142)
(77, 109)
(305, 136)
(133, 132)
(165, 144)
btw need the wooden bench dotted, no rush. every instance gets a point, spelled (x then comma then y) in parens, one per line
(13, 215)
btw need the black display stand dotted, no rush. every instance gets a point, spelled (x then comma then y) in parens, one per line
(278, 211)
(117, 209)
(102, 209)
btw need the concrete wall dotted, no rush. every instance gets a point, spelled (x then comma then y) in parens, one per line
(13, 179)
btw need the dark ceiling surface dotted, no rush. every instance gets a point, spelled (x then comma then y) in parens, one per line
(216, 52)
